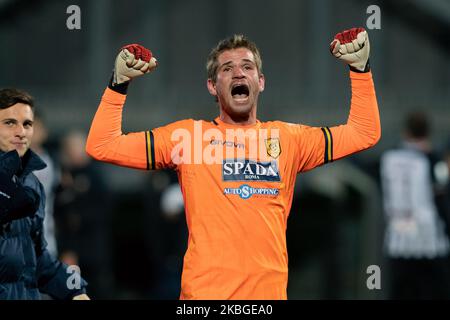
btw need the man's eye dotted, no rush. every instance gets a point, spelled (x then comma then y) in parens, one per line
(9, 123)
(226, 69)
(248, 67)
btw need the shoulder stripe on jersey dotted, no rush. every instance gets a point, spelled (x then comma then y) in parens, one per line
(214, 121)
(328, 145)
(150, 150)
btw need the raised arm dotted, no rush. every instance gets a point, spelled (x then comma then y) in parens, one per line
(362, 129)
(106, 141)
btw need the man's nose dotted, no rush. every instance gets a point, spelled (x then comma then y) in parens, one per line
(238, 73)
(20, 131)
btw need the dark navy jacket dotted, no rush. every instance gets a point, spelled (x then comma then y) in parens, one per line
(26, 267)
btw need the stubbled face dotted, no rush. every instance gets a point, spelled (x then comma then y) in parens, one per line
(16, 128)
(238, 83)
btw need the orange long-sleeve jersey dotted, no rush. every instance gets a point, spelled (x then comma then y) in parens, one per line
(237, 183)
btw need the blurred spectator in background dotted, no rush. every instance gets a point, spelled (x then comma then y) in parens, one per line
(446, 178)
(82, 209)
(168, 217)
(49, 177)
(416, 243)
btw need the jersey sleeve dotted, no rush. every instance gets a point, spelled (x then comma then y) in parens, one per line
(166, 151)
(311, 145)
(140, 150)
(320, 145)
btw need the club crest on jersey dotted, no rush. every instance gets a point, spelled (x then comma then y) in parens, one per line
(273, 147)
(248, 170)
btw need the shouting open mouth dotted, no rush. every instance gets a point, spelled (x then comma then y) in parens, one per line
(240, 92)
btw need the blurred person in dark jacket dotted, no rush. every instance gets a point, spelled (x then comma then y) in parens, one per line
(26, 267)
(81, 214)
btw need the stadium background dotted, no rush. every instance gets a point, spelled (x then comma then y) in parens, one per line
(335, 228)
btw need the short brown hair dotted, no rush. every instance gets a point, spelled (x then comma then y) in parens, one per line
(234, 42)
(11, 96)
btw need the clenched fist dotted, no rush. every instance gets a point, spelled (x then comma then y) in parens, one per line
(352, 47)
(132, 61)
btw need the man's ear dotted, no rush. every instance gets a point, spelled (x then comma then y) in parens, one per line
(262, 82)
(211, 87)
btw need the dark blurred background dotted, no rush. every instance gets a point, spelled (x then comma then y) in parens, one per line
(125, 227)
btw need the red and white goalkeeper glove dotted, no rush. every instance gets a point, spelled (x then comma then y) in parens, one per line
(352, 47)
(132, 61)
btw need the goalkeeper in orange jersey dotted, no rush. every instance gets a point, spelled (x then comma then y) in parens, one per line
(237, 174)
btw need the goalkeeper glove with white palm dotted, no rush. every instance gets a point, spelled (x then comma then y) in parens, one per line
(352, 47)
(132, 61)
